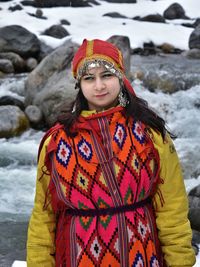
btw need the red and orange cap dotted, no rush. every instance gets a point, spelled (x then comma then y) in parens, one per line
(94, 50)
(100, 50)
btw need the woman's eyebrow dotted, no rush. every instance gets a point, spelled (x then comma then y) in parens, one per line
(88, 74)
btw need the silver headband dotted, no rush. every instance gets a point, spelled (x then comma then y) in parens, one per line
(96, 63)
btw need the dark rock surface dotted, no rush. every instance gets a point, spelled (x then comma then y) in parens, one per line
(194, 40)
(56, 31)
(19, 40)
(175, 11)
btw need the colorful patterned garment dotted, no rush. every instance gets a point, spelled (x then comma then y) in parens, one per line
(108, 164)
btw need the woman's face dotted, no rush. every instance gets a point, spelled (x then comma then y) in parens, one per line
(100, 87)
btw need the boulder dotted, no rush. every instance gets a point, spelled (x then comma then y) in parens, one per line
(17, 61)
(35, 117)
(194, 208)
(51, 84)
(153, 18)
(123, 43)
(17, 39)
(6, 66)
(196, 240)
(15, 8)
(10, 100)
(175, 11)
(196, 23)
(65, 22)
(56, 31)
(38, 14)
(149, 49)
(13, 121)
(167, 48)
(31, 63)
(194, 39)
(45, 50)
(193, 53)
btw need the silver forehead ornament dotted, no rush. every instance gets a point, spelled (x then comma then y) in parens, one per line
(87, 65)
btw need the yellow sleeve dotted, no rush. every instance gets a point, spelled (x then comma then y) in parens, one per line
(174, 229)
(41, 230)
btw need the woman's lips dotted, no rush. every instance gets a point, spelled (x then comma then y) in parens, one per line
(102, 95)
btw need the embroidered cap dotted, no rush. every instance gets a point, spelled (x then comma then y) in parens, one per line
(97, 50)
(94, 53)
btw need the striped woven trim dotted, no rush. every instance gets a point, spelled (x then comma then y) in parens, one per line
(89, 48)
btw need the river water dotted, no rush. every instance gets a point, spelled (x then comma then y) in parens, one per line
(18, 159)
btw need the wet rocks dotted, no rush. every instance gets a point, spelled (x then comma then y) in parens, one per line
(194, 211)
(13, 121)
(194, 40)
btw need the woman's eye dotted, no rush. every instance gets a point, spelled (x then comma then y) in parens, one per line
(107, 75)
(88, 78)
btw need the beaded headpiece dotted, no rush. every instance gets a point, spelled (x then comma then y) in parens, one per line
(95, 63)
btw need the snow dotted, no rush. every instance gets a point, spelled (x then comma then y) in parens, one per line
(89, 22)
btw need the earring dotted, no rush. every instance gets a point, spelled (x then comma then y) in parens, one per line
(123, 101)
(74, 108)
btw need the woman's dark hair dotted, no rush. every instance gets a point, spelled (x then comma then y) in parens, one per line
(137, 108)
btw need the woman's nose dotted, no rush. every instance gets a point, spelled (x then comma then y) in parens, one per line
(99, 84)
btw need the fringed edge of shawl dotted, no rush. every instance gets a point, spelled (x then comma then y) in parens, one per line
(158, 180)
(47, 168)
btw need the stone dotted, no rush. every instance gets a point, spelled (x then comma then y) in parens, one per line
(194, 39)
(6, 66)
(123, 43)
(51, 84)
(10, 100)
(193, 53)
(31, 64)
(194, 208)
(56, 31)
(174, 11)
(35, 117)
(17, 61)
(153, 18)
(13, 121)
(15, 8)
(17, 39)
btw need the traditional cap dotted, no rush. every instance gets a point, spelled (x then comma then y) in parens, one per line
(94, 50)
(99, 50)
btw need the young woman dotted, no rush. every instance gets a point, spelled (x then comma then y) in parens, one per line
(109, 190)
